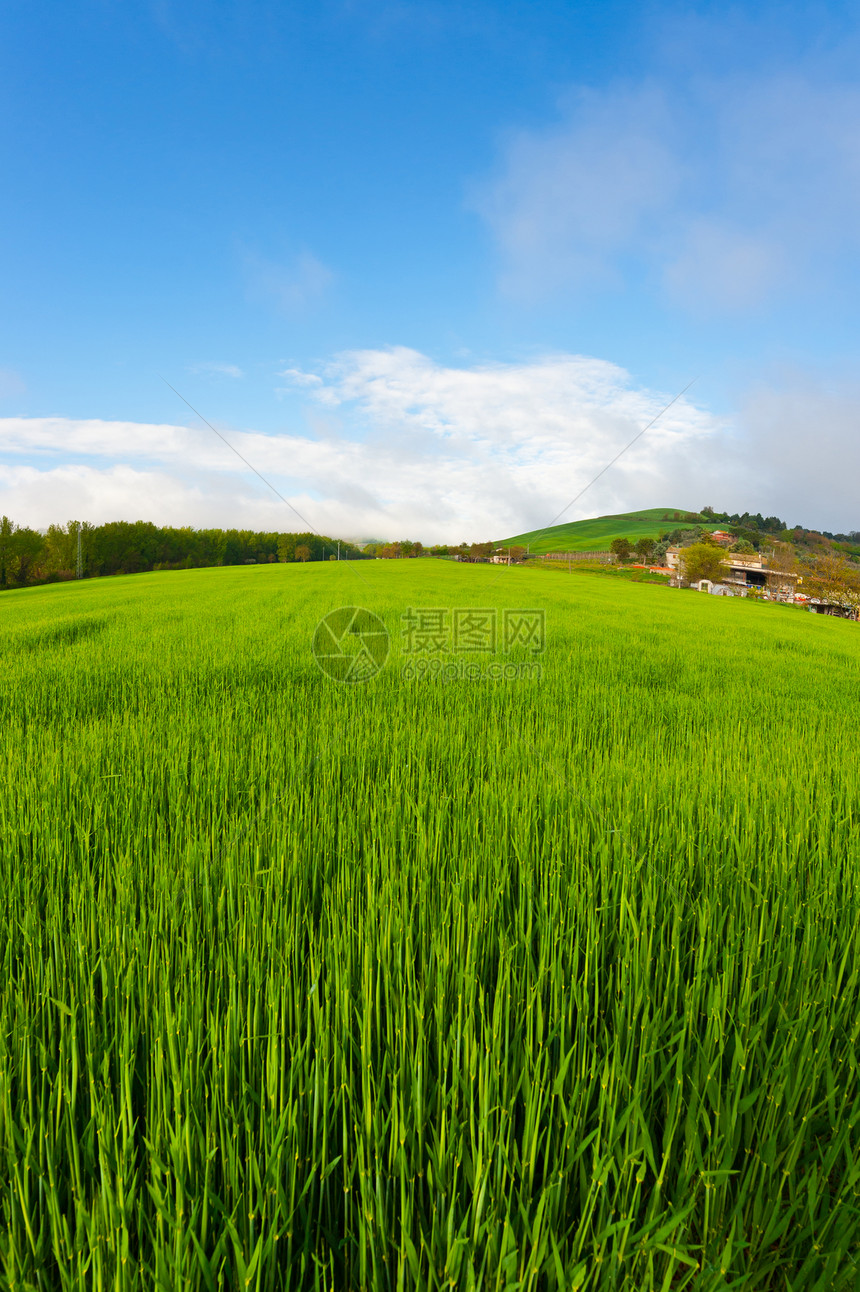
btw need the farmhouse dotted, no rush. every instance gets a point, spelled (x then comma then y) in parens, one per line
(743, 572)
(753, 572)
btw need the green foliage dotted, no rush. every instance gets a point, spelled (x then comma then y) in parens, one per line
(423, 986)
(20, 549)
(405, 548)
(622, 548)
(480, 551)
(122, 547)
(743, 547)
(702, 561)
(679, 537)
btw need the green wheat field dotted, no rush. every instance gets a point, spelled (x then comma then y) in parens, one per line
(541, 984)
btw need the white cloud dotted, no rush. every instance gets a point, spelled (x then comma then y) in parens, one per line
(296, 377)
(93, 438)
(725, 194)
(423, 449)
(38, 497)
(401, 445)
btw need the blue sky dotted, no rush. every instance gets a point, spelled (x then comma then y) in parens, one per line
(433, 263)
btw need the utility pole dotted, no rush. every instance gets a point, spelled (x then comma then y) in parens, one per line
(79, 571)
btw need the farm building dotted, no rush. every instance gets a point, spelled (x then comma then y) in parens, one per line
(829, 608)
(744, 571)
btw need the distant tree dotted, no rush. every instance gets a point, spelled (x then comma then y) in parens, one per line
(29, 550)
(480, 551)
(59, 545)
(622, 548)
(303, 552)
(702, 561)
(286, 547)
(644, 547)
(708, 512)
(517, 553)
(743, 547)
(7, 550)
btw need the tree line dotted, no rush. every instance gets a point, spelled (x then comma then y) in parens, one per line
(29, 556)
(408, 548)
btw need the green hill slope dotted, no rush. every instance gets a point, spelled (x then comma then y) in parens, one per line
(596, 534)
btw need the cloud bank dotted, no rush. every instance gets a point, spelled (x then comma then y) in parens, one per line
(394, 444)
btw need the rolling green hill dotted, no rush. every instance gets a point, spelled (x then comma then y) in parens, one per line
(596, 534)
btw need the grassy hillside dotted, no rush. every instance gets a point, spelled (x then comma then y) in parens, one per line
(548, 983)
(597, 533)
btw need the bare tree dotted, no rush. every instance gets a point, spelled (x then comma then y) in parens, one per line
(783, 559)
